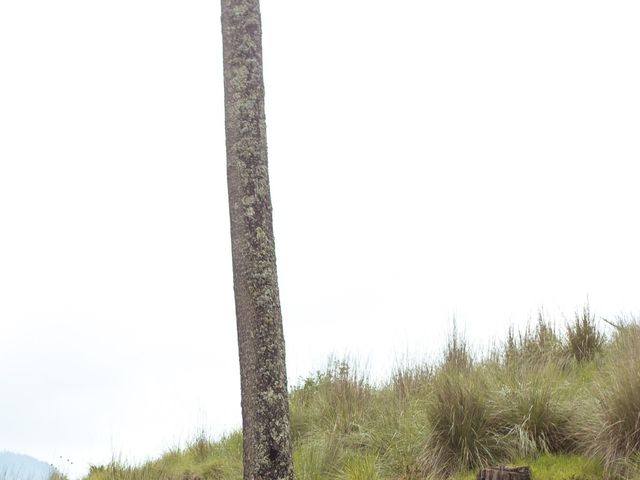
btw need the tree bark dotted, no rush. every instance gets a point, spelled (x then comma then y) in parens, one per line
(265, 407)
(504, 473)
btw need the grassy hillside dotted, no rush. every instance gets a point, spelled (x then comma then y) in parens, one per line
(565, 402)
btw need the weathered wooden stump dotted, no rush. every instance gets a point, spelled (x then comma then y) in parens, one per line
(504, 473)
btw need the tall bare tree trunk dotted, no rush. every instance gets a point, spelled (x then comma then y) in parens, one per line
(265, 407)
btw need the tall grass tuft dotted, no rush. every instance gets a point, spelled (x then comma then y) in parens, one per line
(336, 400)
(537, 345)
(410, 381)
(537, 411)
(359, 467)
(457, 354)
(330, 416)
(56, 475)
(584, 340)
(465, 430)
(611, 426)
(399, 422)
(319, 457)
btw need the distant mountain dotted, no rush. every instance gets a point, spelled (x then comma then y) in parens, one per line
(14, 466)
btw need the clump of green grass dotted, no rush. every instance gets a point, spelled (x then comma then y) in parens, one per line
(202, 459)
(465, 429)
(611, 424)
(330, 418)
(319, 457)
(336, 399)
(56, 475)
(411, 380)
(538, 413)
(584, 340)
(536, 346)
(399, 424)
(359, 467)
(457, 354)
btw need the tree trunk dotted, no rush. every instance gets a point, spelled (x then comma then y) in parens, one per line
(504, 473)
(265, 407)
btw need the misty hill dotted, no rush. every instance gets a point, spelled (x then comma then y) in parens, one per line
(15, 466)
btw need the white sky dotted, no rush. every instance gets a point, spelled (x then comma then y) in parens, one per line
(428, 159)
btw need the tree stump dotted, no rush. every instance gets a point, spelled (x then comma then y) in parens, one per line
(504, 473)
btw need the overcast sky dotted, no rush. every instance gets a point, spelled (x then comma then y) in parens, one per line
(428, 159)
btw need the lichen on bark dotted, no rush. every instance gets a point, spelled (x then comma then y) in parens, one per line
(265, 410)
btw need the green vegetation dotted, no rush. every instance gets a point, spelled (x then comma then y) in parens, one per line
(566, 402)
(553, 467)
(202, 459)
